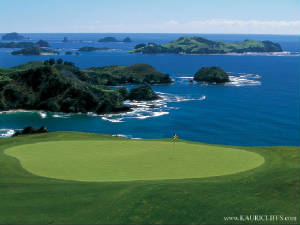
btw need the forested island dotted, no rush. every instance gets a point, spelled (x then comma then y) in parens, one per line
(211, 74)
(58, 86)
(91, 49)
(14, 36)
(35, 51)
(30, 48)
(113, 39)
(199, 45)
(25, 44)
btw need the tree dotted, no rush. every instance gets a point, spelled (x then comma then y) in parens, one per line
(51, 61)
(59, 61)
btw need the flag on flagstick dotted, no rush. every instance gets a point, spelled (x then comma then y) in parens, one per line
(175, 137)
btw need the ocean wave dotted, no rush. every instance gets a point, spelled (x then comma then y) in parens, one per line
(43, 115)
(116, 120)
(244, 79)
(148, 109)
(185, 77)
(126, 136)
(6, 132)
(61, 115)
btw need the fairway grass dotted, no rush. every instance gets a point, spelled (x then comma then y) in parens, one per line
(131, 160)
(270, 188)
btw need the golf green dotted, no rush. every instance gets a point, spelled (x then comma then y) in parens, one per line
(128, 160)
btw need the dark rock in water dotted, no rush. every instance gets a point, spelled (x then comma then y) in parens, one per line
(31, 130)
(14, 36)
(69, 53)
(211, 75)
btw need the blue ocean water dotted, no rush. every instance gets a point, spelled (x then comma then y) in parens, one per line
(260, 106)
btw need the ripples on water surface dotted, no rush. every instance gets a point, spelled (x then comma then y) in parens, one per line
(260, 106)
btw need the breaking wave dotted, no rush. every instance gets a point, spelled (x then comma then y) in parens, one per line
(148, 109)
(126, 136)
(6, 132)
(244, 79)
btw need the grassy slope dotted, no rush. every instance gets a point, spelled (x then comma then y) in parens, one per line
(131, 160)
(271, 189)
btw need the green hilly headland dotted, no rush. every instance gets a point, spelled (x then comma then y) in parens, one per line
(199, 45)
(62, 87)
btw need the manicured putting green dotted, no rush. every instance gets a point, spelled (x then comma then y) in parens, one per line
(117, 160)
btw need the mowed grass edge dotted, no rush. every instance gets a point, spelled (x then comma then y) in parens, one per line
(271, 189)
(129, 160)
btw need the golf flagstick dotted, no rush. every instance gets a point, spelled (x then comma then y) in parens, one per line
(175, 137)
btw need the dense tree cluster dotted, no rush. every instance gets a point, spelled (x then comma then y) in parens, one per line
(211, 75)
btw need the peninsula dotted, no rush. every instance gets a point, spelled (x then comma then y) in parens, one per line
(199, 45)
(57, 86)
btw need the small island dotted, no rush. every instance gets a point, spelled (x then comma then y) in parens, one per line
(211, 75)
(35, 51)
(42, 44)
(14, 36)
(108, 39)
(91, 49)
(199, 45)
(113, 39)
(127, 40)
(25, 44)
(58, 86)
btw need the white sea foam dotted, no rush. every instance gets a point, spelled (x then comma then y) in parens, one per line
(126, 136)
(43, 114)
(185, 77)
(6, 132)
(107, 118)
(148, 109)
(244, 79)
(120, 135)
(61, 115)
